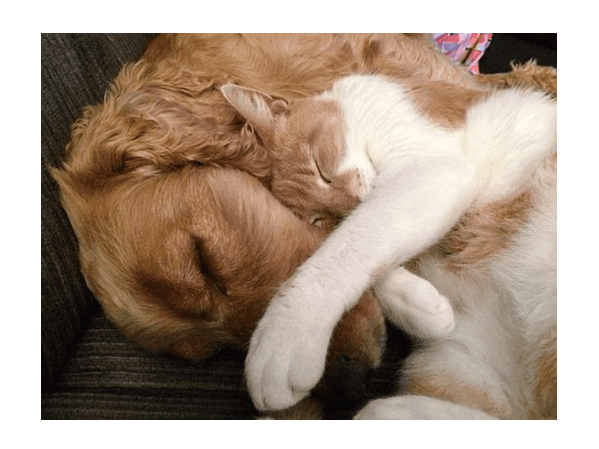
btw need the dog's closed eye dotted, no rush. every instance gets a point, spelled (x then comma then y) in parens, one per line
(208, 268)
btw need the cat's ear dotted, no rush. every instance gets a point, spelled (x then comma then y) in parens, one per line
(258, 108)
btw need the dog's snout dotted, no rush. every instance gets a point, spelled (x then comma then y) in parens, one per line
(345, 381)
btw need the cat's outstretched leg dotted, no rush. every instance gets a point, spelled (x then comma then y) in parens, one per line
(418, 407)
(289, 346)
(414, 304)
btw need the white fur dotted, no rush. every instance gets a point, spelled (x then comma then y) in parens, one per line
(508, 305)
(418, 407)
(424, 179)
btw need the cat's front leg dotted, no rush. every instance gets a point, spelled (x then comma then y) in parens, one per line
(406, 212)
(414, 304)
(289, 346)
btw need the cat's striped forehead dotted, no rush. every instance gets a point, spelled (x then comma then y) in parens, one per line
(318, 126)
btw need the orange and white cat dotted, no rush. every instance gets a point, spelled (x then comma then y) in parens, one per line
(492, 349)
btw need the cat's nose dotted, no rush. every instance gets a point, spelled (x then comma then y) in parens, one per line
(354, 182)
(345, 382)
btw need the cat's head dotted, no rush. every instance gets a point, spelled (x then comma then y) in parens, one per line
(304, 138)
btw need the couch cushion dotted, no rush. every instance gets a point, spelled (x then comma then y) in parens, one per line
(108, 377)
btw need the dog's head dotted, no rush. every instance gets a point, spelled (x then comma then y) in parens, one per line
(180, 240)
(185, 260)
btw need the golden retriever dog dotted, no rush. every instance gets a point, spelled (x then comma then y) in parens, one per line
(168, 188)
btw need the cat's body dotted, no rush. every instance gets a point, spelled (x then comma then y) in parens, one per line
(415, 180)
(501, 357)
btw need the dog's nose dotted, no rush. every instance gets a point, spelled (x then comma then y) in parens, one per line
(345, 382)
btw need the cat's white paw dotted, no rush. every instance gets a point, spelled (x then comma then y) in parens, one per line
(415, 305)
(418, 407)
(286, 358)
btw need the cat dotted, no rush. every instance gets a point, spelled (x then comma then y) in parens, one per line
(332, 193)
(414, 179)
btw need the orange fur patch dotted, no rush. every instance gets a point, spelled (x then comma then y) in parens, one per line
(524, 75)
(443, 104)
(444, 385)
(545, 390)
(484, 231)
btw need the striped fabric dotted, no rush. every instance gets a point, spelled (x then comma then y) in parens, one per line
(107, 377)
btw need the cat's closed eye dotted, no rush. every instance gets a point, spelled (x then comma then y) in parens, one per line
(325, 177)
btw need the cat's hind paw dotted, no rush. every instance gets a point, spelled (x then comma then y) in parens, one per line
(415, 305)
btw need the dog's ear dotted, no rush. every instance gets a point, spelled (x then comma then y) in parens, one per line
(258, 108)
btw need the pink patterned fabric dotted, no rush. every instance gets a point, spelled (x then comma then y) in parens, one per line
(464, 48)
